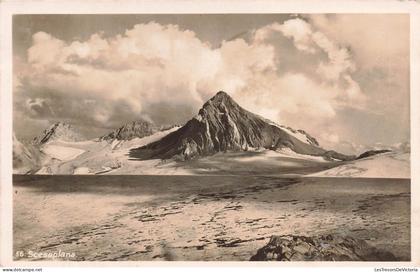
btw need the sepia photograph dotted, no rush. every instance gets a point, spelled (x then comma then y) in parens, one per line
(222, 137)
(211, 137)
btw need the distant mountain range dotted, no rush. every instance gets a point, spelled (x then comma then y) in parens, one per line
(221, 127)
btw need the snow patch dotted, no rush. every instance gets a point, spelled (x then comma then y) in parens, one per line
(82, 171)
(87, 142)
(385, 165)
(62, 153)
(287, 152)
(299, 135)
(44, 171)
(283, 153)
(115, 144)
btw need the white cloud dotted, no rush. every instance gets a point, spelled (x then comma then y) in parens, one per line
(149, 65)
(340, 61)
(379, 44)
(296, 29)
(339, 65)
(375, 39)
(45, 50)
(165, 73)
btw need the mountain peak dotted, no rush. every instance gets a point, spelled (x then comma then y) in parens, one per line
(223, 125)
(58, 131)
(220, 97)
(221, 94)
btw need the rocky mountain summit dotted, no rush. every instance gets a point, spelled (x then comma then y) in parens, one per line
(222, 125)
(129, 131)
(58, 131)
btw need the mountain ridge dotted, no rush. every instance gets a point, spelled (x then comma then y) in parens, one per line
(223, 125)
(135, 129)
(219, 135)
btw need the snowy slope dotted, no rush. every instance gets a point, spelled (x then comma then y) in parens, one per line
(62, 153)
(387, 165)
(98, 157)
(58, 131)
(113, 158)
(295, 133)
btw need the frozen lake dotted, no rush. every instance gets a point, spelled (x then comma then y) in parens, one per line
(201, 218)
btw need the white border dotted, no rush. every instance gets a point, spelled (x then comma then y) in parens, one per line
(8, 8)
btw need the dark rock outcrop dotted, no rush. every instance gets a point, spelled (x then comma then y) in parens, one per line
(58, 131)
(320, 248)
(222, 125)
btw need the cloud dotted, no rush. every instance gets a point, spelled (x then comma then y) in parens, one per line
(340, 61)
(152, 68)
(308, 40)
(296, 29)
(379, 45)
(45, 51)
(375, 38)
(38, 107)
(164, 73)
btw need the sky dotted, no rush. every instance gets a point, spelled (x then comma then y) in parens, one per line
(343, 78)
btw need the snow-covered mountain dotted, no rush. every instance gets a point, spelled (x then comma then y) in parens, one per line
(99, 157)
(222, 125)
(58, 131)
(223, 138)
